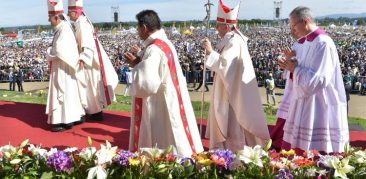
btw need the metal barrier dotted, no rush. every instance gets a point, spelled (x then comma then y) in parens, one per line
(25, 80)
(358, 85)
(358, 82)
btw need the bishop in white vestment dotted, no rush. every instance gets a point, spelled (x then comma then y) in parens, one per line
(98, 78)
(236, 116)
(63, 103)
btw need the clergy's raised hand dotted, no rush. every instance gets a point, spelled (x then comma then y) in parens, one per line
(206, 44)
(289, 53)
(131, 59)
(81, 64)
(135, 49)
(289, 64)
(281, 62)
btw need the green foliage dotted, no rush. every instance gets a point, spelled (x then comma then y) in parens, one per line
(122, 103)
(197, 109)
(29, 161)
(36, 97)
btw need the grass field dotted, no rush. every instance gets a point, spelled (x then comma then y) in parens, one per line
(124, 104)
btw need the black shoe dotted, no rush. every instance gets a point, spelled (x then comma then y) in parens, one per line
(68, 126)
(97, 116)
(58, 128)
(82, 120)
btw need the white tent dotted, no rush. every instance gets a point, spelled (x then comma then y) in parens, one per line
(132, 30)
(332, 26)
(345, 26)
(175, 31)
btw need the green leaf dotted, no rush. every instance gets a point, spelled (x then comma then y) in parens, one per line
(168, 150)
(47, 175)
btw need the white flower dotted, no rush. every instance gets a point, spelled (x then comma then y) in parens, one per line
(328, 160)
(309, 154)
(37, 151)
(8, 148)
(97, 171)
(104, 156)
(51, 152)
(322, 172)
(252, 155)
(151, 152)
(360, 157)
(311, 172)
(71, 149)
(87, 153)
(31, 147)
(106, 153)
(342, 168)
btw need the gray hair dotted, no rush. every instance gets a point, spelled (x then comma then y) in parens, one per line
(301, 12)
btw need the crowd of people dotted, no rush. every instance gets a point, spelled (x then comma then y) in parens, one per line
(30, 58)
(265, 46)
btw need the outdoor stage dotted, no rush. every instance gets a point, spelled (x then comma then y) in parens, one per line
(20, 121)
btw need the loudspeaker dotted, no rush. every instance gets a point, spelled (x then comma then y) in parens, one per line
(115, 15)
(277, 12)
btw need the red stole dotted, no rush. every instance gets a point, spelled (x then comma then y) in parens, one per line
(100, 58)
(173, 74)
(102, 71)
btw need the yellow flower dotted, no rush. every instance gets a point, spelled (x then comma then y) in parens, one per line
(205, 162)
(134, 162)
(288, 153)
(90, 141)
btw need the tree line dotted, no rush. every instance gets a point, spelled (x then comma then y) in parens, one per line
(361, 21)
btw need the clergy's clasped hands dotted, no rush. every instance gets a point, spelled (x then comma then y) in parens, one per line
(81, 64)
(131, 57)
(288, 62)
(206, 44)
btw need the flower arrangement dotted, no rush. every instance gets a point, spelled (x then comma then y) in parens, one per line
(41, 93)
(30, 161)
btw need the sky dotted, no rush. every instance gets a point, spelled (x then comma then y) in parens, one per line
(34, 12)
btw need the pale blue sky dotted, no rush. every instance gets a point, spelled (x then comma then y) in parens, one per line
(31, 12)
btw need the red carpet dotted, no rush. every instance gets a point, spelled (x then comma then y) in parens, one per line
(19, 121)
